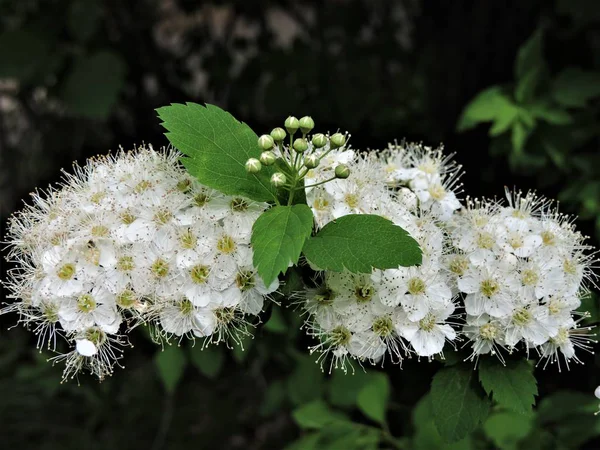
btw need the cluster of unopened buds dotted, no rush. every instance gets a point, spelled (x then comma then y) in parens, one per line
(133, 239)
(300, 157)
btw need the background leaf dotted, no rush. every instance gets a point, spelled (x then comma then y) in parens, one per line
(513, 386)
(93, 86)
(361, 242)
(457, 403)
(316, 415)
(373, 397)
(574, 87)
(217, 147)
(170, 363)
(208, 361)
(278, 236)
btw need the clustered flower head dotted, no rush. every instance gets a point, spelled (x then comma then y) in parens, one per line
(522, 269)
(130, 239)
(397, 312)
(133, 239)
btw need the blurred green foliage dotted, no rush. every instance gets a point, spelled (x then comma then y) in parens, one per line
(78, 77)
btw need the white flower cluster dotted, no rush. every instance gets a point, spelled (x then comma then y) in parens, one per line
(399, 311)
(523, 269)
(132, 238)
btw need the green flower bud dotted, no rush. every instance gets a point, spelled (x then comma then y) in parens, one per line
(311, 161)
(300, 145)
(253, 165)
(267, 158)
(306, 124)
(319, 140)
(278, 134)
(266, 142)
(291, 124)
(278, 179)
(337, 140)
(342, 171)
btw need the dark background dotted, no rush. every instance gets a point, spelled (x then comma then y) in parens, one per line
(78, 78)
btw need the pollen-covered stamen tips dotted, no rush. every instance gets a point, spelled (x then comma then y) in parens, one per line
(132, 239)
(296, 159)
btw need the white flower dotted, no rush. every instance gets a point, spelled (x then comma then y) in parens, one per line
(428, 335)
(487, 292)
(85, 347)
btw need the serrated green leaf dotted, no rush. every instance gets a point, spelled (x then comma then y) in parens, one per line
(217, 147)
(426, 436)
(458, 405)
(316, 415)
(346, 435)
(360, 242)
(372, 399)
(574, 87)
(512, 386)
(278, 236)
(491, 104)
(170, 363)
(208, 361)
(506, 429)
(93, 86)
(530, 55)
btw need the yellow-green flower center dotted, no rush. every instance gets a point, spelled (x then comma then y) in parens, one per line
(225, 315)
(199, 273)
(160, 268)
(125, 264)
(485, 240)
(184, 185)
(226, 244)
(100, 231)
(383, 326)
(245, 280)
(427, 323)
(239, 204)
(50, 312)
(201, 199)
(548, 238)
(437, 192)
(96, 336)
(459, 265)
(142, 186)
(489, 287)
(163, 216)
(570, 267)
(522, 316)
(352, 200)
(364, 293)
(66, 272)
(488, 331)
(127, 299)
(127, 218)
(416, 286)
(325, 296)
(186, 307)
(340, 335)
(86, 303)
(188, 240)
(529, 277)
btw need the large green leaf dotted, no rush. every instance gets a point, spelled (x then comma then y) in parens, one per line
(373, 397)
(513, 386)
(93, 86)
(361, 242)
(171, 364)
(217, 147)
(278, 236)
(458, 403)
(574, 87)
